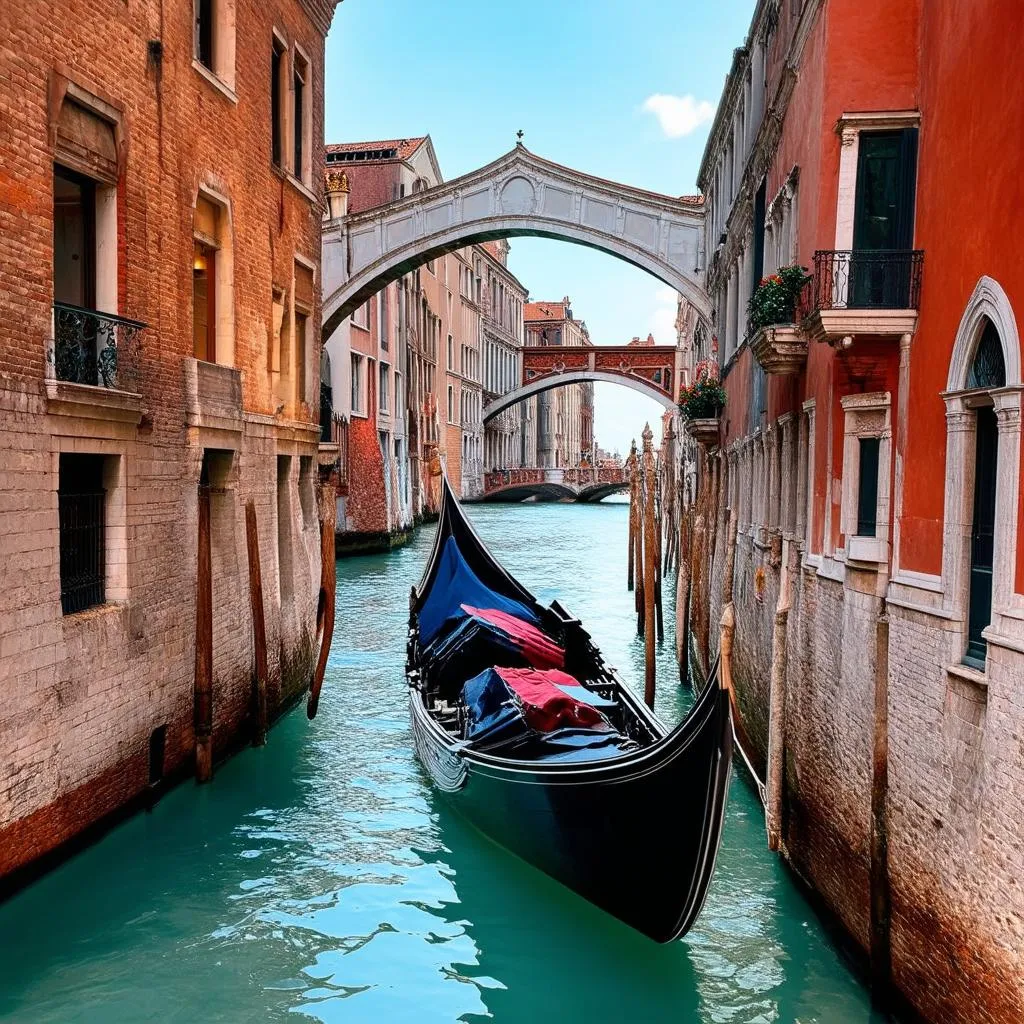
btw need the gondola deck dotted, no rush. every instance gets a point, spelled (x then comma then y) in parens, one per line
(583, 781)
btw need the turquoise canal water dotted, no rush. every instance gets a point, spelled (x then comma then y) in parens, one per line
(321, 877)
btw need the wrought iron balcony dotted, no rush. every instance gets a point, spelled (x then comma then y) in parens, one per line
(866, 279)
(862, 292)
(95, 348)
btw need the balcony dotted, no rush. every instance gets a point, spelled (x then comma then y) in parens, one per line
(94, 364)
(875, 292)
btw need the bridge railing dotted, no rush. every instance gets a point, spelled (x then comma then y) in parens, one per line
(499, 478)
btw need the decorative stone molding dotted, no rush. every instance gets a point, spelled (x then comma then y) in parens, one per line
(988, 300)
(704, 431)
(781, 349)
(866, 416)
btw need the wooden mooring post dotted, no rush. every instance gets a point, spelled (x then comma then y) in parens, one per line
(633, 504)
(650, 565)
(203, 687)
(325, 604)
(259, 629)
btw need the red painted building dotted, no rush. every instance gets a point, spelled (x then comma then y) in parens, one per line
(870, 449)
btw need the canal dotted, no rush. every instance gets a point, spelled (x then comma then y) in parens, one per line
(320, 876)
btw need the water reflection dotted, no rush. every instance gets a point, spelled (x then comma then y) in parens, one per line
(321, 876)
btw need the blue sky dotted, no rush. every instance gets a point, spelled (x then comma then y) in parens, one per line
(622, 90)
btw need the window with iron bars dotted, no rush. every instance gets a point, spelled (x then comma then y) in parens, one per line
(81, 499)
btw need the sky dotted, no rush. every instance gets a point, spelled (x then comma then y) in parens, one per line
(621, 90)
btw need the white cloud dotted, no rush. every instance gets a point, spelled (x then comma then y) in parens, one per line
(679, 115)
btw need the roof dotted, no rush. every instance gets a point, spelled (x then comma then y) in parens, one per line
(389, 149)
(546, 310)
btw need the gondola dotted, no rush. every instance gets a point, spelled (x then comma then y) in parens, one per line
(535, 740)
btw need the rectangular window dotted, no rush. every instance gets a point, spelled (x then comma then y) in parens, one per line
(81, 501)
(204, 302)
(74, 239)
(399, 398)
(451, 404)
(384, 387)
(357, 383)
(300, 74)
(277, 83)
(361, 317)
(300, 356)
(867, 488)
(204, 32)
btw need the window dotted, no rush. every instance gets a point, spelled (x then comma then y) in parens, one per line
(301, 118)
(277, 101)
(204, 301)
(74, 239)
(212, 299)
(214, 38)
(451, 404)
(983, 526)
(204, 33)
(451, 353)
(384, 387)
(361, 317)
(285, 577)
(358, 385)
(382, 317)
(866, 467)
(399, 397)
(867, 487)
(301, 355)
(81, 501)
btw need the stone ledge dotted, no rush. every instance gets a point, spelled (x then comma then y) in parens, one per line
(832, 324)
(92, 402)
(781, 349)
(968, 675)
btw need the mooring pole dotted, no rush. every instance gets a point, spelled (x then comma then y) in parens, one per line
(650, 566)
(259, 629)
(682, 599)
(328, 578)
(631, 467)
(203, 689)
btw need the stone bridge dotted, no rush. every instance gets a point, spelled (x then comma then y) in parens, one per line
(518, 194)
(583, 484)
(650, 369)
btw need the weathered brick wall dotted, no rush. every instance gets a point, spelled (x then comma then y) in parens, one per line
(85, 691)
(956, 839)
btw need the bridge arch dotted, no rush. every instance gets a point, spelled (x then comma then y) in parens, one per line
(518, 194)
(498, 405)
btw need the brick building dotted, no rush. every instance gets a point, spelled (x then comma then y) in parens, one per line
(159, 250)
(565, 415)
(870, 447)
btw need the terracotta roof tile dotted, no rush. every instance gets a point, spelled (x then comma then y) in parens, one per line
(545, 310)
(404, 148)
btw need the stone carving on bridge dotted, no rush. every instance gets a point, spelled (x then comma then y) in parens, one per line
(518, 194)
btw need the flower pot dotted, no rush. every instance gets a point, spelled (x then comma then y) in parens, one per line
(781, 349)
(704, 430)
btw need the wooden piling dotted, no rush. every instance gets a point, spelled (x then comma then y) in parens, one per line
(259, 630)
(683, 598)
(650, 566)
(203, 686)
(638, 547)
(777, 710)
(325, 605)
(631, 469)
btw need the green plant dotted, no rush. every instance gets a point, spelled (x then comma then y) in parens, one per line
(705, 397)
(774, 300)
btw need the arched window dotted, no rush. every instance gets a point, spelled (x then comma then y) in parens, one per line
(983, 408)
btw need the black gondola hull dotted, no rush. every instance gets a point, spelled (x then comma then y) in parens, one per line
(635, 834)
(629, 835)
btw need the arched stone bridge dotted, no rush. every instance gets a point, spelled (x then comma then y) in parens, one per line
(583, 484)
(650, 369)
(518, 194)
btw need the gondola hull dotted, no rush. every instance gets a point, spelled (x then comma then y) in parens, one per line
(621, 833)
(634, 831)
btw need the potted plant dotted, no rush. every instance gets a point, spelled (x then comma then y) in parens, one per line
(701, 403)
(775, 339)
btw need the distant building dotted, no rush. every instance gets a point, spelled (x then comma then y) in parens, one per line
(562, 423)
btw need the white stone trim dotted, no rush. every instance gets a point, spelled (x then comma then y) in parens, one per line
(866, 416)
(809, 414)
(849, 127)
(988, 300)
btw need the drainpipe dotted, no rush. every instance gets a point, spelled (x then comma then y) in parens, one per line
(777, 710)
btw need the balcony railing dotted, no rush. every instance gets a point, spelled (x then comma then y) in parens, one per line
(100, 349)
(864, 279)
